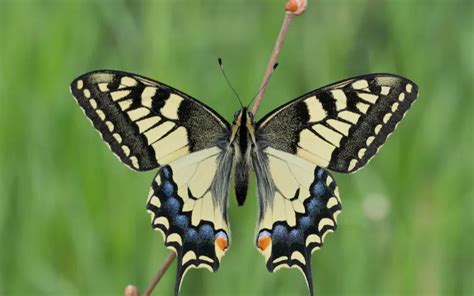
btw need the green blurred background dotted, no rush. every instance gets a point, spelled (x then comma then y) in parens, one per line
(73, 219)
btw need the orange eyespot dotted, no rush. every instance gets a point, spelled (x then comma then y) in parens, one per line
(264, 242)
(221, 243)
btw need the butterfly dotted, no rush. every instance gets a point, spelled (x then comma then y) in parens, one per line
(150, 125)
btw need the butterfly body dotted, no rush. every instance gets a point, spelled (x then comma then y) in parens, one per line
(244, 142)
(150, 125)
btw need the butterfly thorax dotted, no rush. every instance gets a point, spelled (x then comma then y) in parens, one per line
(242, 141)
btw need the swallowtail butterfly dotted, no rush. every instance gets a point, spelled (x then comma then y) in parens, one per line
(150, 125)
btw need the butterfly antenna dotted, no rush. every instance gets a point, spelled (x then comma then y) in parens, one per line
(264, 85)
(221, 66)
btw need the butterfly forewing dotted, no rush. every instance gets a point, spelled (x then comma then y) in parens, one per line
(144, 122)
(340, 126)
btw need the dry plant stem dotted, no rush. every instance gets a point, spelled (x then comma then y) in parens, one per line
(276, 51)
(164, 267)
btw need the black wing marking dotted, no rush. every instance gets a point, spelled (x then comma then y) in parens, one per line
(299, 213)
(340, 126)
(144, 122)
(191, 214)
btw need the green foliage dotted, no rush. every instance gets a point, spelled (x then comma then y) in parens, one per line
(73, 220)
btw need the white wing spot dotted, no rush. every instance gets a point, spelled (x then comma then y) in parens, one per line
(336, 213)
(146, 96)
(324, 222)
(361, 153)
(80, 84)
(174, 237)
(401, 97)
(128, 81)
(385, 90)
(87, 93)
(328, 134)
(190, 255)
(110, 125)
(313, 238)
(341, 99)
(386, 118)
(326, 233)
(170, 109)
(378, 128)
(362, 107)
(147, 123)
(156, 133)
(329, 181)
(162, 221)
(93, 103)
(332, 202)
(103, 87)
(138, 113)
(117, 95)
(315, 109)
(155, 201)
(117, 137)
(340, 126)
(349, 116)
(369, 141)
(100, 113)
(279, 259)
(298, 256)
(336, 193)
(134, 161)
(409, 88)
(126, 150)
(360, 84)
(352, 164)
(124, 105)
(308, 140)
(204, 258)
(368, 97)
(394, 107)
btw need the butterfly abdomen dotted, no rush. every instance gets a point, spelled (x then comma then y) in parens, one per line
(241, 181)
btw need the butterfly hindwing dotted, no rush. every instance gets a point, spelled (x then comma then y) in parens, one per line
(298, 209)
(191, 211)
(144, 122)
(340, 126)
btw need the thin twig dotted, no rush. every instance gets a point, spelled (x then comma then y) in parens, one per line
(164, 267)
(292, 8)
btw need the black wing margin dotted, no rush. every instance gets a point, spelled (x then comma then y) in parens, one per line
(340, 126)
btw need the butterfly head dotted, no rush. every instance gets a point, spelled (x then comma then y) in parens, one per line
(243, 117)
